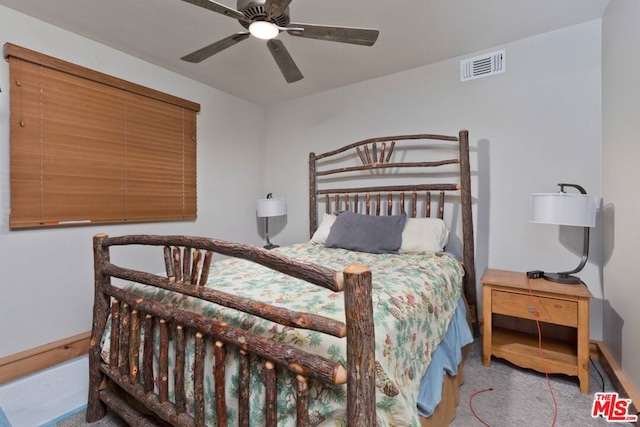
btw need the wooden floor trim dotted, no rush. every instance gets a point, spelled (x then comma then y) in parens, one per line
(36, 359)
(617, 377)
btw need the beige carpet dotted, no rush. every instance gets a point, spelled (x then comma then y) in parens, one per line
(521, 397)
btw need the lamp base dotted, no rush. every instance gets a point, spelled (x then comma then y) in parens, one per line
(562, 278)
(270, 246)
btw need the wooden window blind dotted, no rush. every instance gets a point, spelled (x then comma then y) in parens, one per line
(89, 148)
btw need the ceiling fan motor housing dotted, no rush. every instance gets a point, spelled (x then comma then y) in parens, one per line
(255, 11)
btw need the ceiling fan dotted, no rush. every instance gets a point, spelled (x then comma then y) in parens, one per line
(265, 19)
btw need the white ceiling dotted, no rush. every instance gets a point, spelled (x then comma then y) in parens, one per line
(412, 33)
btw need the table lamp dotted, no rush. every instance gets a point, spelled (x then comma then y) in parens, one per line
(566, 209)
(270, 207)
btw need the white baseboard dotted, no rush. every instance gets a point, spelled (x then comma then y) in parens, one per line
(47, 396)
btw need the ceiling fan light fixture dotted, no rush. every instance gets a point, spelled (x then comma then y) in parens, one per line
(265, 19)
(264, 30)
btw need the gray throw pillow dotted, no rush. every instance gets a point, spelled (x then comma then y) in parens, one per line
(367, 233)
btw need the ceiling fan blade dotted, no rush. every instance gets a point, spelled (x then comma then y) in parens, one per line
(219, 8)
(289, 69)
(275, 7)
(207, 51)
(359, 36)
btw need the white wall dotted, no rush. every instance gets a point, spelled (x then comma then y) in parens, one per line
(46, 284)
(620, 154)
(530, 128)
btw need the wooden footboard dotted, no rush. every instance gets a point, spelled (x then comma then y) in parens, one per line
(141, 394)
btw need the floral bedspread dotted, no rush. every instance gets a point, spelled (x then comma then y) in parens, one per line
(414, 298)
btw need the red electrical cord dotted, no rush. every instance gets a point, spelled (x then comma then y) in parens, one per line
(471, 405)
(544, 367)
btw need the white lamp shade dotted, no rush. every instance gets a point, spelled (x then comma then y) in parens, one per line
(272, 207)
(563, 209)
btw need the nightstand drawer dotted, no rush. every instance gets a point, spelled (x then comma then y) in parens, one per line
(550, 310)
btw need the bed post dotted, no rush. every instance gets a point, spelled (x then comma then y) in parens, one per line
(361, 386)
(313, 208)
(468, 252)
(95, 408)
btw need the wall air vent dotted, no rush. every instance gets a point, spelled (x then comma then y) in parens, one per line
(482, 66)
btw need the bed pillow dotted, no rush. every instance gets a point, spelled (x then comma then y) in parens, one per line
(424, 235)
(367, 233)
(322, 232)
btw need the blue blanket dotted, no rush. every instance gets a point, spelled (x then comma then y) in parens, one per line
(446, 359)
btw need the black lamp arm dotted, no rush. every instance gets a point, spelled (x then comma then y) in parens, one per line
(585, 255)
(576, 186)
(266, 229)
(585, 249)
(269, 245)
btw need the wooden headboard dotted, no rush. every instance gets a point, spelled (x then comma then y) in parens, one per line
(363, 177)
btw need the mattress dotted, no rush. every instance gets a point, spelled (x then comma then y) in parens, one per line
(415, 297)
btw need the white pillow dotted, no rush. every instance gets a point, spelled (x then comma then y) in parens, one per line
(424, 234)
(321, 234)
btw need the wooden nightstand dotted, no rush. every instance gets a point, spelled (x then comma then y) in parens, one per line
(510, 332)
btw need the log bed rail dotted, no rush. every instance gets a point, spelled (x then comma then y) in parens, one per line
(188, 262)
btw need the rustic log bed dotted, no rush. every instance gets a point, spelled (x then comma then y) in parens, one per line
(140, 371)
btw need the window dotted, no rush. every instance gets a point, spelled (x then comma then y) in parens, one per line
(91, 148)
